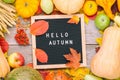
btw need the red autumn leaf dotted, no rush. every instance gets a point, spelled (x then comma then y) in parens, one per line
(74, 58)
(4, 45)
(74, 20)
(97, 49)
(41, 55)
(39, 27)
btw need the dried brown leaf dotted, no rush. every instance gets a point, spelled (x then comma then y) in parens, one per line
(74, 58)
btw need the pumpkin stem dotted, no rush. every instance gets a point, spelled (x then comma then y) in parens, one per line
(26, 4)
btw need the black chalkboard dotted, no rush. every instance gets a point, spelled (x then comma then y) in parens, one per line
(57, 41)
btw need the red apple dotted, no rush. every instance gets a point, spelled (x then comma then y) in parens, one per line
(16, 60)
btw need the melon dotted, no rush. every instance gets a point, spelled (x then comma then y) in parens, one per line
(24, 73)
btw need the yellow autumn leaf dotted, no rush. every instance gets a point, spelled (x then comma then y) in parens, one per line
(86, 19)
(99, 41)
(79, 73)
(101, 32)
(99, 12)
(78, 78)
(6, 54)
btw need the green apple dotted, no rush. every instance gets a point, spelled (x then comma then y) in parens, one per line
(91, 77)
(9, 1)
(102, 21)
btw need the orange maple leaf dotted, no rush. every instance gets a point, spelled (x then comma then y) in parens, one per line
(74, 20)
(74, 59)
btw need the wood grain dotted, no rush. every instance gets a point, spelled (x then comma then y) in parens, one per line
(90, 34)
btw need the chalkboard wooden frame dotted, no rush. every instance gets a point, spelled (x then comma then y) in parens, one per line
(52, 66)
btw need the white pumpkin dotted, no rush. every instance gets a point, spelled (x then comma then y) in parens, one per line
(68, 6)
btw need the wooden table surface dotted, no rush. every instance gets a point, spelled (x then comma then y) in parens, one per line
(90, 31)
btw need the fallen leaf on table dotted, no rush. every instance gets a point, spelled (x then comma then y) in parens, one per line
(99, 41)
(74, 57)
(50, 76)
(101, 32)
(60, 75)
(79, 73)
(86, 19)
(74, 20)
(39, 27)
(41, 55)
(99, 12)
(97, 49)
(57, 75)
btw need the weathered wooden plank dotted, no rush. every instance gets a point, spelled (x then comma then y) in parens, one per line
(90, 53)
(10, 37)
(90, 31)
(27, 52)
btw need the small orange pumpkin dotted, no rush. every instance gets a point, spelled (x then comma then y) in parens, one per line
(26, 8)
(68, 6)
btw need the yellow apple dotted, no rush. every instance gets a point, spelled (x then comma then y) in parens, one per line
(90, 8)
(16, 60)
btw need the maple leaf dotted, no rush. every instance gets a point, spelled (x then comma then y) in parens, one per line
(74, 20)
(74, 58)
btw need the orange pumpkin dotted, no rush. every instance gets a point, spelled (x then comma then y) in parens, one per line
(26, 8)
